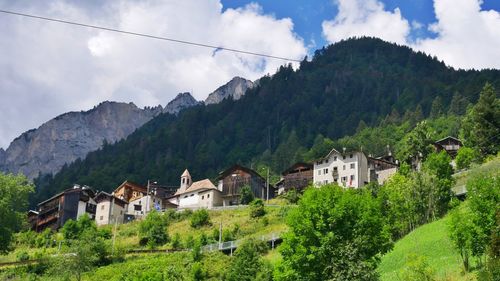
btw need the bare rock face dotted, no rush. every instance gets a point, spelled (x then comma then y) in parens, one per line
(180, 102)
(71, 136)
(235, 88)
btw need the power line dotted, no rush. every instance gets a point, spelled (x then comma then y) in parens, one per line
(216, 48)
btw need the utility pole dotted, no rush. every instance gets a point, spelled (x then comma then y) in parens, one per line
(220, 235)
(267, 186)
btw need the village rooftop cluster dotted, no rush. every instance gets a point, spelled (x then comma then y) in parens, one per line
(131, 201)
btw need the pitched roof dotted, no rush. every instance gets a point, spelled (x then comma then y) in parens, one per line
(446, 138)
(101, 196)
(228, 171)
(308, 166)
(198, 186)
(186, 173)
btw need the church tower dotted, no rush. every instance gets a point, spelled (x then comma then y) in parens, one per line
(185, 181)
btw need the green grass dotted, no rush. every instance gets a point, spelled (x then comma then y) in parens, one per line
(430, 241)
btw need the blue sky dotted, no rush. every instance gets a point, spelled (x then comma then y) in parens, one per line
(308, 15)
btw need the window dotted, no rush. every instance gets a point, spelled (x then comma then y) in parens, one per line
(137, 207)
(343, 157)
(344, 179)
(326, 161)
(185, 196)
(334, 158)
(325, 171)
(121, 212)
(102, 207)
(319, 172)
(350, 156)
(208, 196)
(183, 180)
(336, 179)
(202, 197)
(101, 217)
(343, 167)
(191, 195)
(325, 181)
(352, 165)
(352, 177)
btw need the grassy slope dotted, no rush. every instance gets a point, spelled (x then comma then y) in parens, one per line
(431, 241)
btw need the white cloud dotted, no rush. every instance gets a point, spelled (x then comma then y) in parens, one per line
(466, 36)
(366, 18)
(48, 68)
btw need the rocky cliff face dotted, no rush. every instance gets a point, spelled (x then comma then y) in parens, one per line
(180, 102)
(71, 136)
(235, 88)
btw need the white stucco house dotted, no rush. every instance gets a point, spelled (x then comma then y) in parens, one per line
(110, 209)
(347, 169)
(194, 195)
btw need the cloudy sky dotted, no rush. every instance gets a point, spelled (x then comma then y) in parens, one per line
(48, 68)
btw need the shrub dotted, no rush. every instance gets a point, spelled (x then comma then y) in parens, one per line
(292, 196)
(22, 256)
(176, 241)
(465, 157)
(417, 268)
(257, 209)
(152, 230)
(246, 195)
(200, 218)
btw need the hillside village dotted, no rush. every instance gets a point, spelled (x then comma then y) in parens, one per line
(131, 201)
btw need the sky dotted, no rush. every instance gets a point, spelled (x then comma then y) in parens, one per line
(49, 68)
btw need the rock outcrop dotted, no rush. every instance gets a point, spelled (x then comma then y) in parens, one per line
(180, 102)
(235, 88)
(71, 136)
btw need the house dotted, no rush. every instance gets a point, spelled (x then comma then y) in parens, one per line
(32, 218)
(234, 178)
(129, 191)
(69, 204)
(347, 169)
(298, 177)
(194, 195)
(449, 144)
(381, 168)
(110, 209)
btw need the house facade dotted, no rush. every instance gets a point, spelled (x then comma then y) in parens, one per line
(347, 169)
(449, 144)
(110, 209)
(69, 204)
(380, 169)
(233, 179)
(298, 177)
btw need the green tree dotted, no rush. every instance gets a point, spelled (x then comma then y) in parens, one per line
(436, 108)
(334, 234)
(74, 229)
(481, 126)
(417, 143)
(465, 157)
(248, 264)
(257, 208)
(439, 165)
(462, 232)
(200, 218)
(153, 230)
(246, 195)
(14, 192)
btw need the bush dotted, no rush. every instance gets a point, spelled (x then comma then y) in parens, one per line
(246, 195)
(22, 256)
(417, 268)
(152, 230)
(176, 241)
(200, 218)
(257, 209)
(465, 157)
(292, 196)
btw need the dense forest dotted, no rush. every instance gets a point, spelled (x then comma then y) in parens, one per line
(347, 88)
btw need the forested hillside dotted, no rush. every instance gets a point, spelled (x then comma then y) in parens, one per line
(346, 87)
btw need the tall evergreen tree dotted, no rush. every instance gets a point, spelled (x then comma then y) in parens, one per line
(481, 126)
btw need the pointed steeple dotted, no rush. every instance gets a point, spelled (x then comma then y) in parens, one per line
(185, 181)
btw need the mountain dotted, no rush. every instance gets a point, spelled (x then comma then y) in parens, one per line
(180, 102)
(71, 136)
(344, 86)
(235, 88)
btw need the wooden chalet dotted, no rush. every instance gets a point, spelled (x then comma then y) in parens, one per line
(234, 178)
(298, 177)
(69, 204)
(32, 218)
(449, 144)
(129, 191)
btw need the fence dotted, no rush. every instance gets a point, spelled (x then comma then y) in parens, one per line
(229, 246)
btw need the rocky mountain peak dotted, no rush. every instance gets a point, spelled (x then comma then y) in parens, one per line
(180, 102)
(72, 135)
(235, 88)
